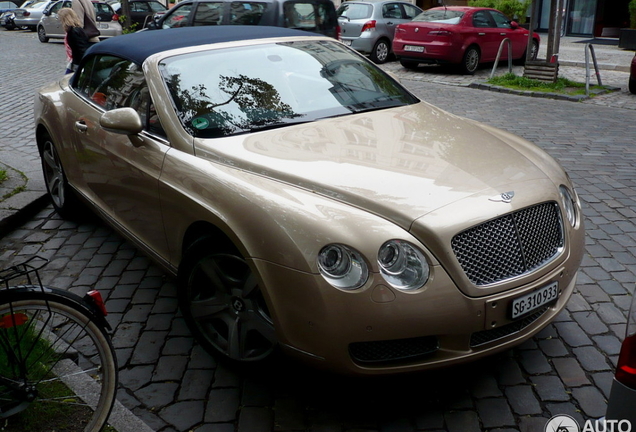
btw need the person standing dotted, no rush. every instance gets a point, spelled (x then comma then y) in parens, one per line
(75, 41)
(86, 14)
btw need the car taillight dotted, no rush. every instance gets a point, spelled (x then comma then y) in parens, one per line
(115, 17)
(369, 25)
(338, 32)
(626, 368)
(440, 33)
(26, 13)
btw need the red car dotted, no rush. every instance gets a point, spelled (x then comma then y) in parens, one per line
(632, 76)
(466, 36)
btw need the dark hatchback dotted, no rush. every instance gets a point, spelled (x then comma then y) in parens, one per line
(318, 16)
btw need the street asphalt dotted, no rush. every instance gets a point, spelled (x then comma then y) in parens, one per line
(169, 384)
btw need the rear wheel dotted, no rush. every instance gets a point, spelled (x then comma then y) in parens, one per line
(64, 200)
(42, 35)
(409, 64)
(381, 51)
(632, 85)
(222, 303)
(470, 61)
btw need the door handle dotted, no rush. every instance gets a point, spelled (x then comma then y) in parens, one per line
(81, 126)
(481, 34)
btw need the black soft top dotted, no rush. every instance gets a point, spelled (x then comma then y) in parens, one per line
(137, 47)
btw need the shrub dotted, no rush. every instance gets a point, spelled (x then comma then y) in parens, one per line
(632, 14)
(513, 9)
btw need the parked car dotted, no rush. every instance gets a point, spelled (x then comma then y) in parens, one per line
(369, 26)
(622, 400)
(141, 11)
(632, 76)
(29, 16)
(6, 6)
(8, 16)
(50, 26)
(306, 200)
(464, 36)
(317, 16)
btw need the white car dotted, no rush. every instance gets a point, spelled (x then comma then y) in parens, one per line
(50, 26)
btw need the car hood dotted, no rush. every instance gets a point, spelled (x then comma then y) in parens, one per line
(398, 163)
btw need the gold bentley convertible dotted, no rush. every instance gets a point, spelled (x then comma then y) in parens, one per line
(308, 203)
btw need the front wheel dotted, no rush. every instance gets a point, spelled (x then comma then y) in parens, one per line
(54, 355)
(42, 35)
(223, 305)
(470, 61)
(534, 52)
(380, 52)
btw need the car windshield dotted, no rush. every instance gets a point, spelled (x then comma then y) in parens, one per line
(445, 16)
(231, 91)
(355, 11)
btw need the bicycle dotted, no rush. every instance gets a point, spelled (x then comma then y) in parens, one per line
(55, 348)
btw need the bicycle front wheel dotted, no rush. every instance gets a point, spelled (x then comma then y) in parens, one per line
(54, 358)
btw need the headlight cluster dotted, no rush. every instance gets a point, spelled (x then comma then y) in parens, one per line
(568, 199)
(402, 265)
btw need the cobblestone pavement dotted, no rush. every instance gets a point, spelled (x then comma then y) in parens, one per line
(172, 385)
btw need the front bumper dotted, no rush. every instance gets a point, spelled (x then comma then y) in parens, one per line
(351, 332)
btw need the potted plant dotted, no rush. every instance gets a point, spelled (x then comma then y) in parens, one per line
(627, 36)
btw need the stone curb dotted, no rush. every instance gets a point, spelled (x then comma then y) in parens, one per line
(546, 95)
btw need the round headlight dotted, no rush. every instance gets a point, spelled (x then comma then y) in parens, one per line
(569, 204)
(402, 265)
(342, 266)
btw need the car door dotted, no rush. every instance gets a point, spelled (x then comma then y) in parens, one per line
(517, 36)
(392, 15)
(119, 172)
(486, 34)
(51, 22)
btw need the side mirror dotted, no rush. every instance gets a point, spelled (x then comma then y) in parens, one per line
(514, 25)
(47, 12)
(125, 121)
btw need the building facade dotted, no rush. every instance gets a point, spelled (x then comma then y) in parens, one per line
(594, 18)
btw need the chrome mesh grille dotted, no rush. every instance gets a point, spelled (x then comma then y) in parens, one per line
(510, 245)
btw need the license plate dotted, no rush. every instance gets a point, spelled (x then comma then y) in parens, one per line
(413, 48)
(530, 302)
(103, 26)
(347, 42)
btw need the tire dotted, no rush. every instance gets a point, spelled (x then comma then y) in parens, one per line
(10, 26)
(61, 349)
(223, 305)
(32, 28)
(632, 85)
(42, 35)
(534, 52)
(470, 60)
(64, 199)
(409, 64)
(381, 51)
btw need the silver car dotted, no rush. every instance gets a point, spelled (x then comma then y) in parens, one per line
(50, 26)
(29, 16)
(369, 26)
